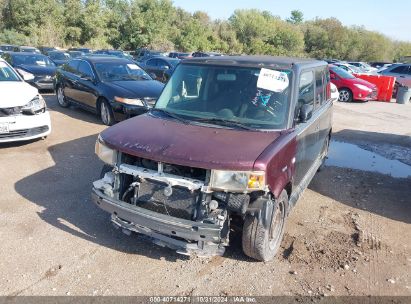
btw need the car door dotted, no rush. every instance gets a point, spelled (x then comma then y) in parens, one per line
(69, 79)
(307, 131)
(85, 88)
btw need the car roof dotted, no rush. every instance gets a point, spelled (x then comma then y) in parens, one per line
(256, 61)
(24, 54)
(96, 59)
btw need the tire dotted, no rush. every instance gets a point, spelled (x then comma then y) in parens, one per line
(61, 98)
(345, 95)
(324, 153)
(106, 113)
(259, 242)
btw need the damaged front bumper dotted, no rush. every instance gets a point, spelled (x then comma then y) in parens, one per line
(185, 236)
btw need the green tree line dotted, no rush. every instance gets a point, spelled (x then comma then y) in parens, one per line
(159, 24)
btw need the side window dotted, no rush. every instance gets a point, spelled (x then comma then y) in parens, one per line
(327, 85)
(400, 70)
(85, 69)
(319, 88)
(305, 91)
(152, 62)
(72, 67)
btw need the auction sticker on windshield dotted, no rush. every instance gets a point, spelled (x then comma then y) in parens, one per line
(4, 128)
(133, 66)
(274, 81)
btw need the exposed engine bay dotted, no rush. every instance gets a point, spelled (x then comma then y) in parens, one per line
(176, 191)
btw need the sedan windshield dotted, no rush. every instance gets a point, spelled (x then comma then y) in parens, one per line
(115, 71)
(33, 59)
(341, 73)
(233, 97)
(7, 73)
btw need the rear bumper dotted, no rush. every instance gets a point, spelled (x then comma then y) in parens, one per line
(193, 237)
(26, 127)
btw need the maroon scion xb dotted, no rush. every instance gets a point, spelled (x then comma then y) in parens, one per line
(230, 138)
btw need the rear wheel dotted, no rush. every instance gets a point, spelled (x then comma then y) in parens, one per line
(260, 241)
(345, 95)
(61, 98)
(106, 113)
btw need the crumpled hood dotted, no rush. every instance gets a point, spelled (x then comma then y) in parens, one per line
(16, 93)
(38, 70)
(137, 89)
(188, 145)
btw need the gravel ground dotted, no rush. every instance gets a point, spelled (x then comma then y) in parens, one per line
(348, 235)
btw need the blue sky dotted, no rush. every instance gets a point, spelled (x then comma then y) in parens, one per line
(392, 18)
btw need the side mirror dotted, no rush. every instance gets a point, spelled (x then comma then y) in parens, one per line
(306, 112)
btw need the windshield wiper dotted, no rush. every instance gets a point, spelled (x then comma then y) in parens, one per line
(170, 114)
(225, 122)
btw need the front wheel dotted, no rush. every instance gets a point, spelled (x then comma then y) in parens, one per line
(61, 98)
(261, 242)
(106, 113)
(345, 95)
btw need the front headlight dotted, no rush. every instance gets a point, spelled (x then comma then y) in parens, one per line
(37, 104)
(129, 101)
(106, 154)
(237, 181)
(363, 87)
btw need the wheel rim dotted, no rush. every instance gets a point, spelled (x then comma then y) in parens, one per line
(60, 96)
(104, 113)
(276, 226)
(344, 95)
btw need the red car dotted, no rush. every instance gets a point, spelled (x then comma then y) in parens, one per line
(352, 88)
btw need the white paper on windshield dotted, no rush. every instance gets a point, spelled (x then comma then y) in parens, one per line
(41, 62)
(3, 64)
(132, 66)
(274, 81)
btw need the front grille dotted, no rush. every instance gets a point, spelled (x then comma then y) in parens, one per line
(181, 203)
(24, 133)
(10, 111)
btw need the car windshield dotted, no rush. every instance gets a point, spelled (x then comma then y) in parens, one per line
(341, 73)
(33, 59)
(256, 98)
(7, 73)
(59, 56)
(115, 71)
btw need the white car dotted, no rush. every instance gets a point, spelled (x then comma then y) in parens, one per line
(335, 95)
(23, 111)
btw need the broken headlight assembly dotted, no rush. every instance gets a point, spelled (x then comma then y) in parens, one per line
(237, 181)
(36, 105)
(106, 154)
